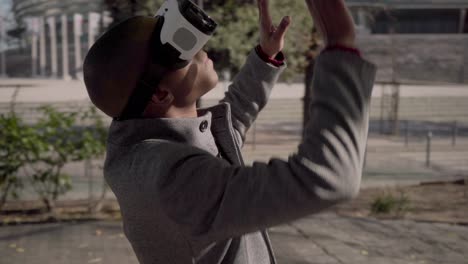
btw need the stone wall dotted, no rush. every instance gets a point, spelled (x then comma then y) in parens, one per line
(422, 57)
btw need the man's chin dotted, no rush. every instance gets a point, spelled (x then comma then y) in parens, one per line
(211, 86)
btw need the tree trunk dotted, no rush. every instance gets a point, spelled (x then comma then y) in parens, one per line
(133, 7)
(96, 207)
(50, 204)
(309, 76)
(311, 55)
(56, 185)
(5, 195)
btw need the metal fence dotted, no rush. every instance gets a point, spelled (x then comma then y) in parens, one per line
(412, 138)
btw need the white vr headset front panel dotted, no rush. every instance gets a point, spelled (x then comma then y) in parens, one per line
(174, 31)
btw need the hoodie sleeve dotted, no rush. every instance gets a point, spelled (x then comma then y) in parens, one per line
(212, 200)
(250, 91)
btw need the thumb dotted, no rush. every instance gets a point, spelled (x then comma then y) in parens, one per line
(282, 28)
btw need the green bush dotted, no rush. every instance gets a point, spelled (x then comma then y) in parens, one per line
(238, 31)
(387, 203)
(42, 149)
(16, 139)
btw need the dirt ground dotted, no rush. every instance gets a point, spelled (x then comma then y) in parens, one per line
(435, 202)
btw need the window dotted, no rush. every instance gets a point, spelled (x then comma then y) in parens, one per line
(414, 21)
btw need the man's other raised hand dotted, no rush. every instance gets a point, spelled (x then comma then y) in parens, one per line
(271, 36)
(334, 21)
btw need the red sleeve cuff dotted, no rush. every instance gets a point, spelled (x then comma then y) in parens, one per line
(276, 61)
(343, 48)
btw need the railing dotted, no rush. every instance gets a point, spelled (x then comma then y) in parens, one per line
(277, 132)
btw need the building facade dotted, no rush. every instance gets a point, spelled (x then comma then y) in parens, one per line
(408, 40)
(56, 35)
(411, 17)
(31, 8)
(414, 41)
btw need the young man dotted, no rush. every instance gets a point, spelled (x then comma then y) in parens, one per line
(177, 172)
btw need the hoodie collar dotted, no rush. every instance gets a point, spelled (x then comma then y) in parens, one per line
(192, 131)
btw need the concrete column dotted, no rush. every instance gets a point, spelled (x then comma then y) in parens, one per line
(2, 48)
(361, 17)
(77, 26)
(53, 45)
(42, 47)
(461, 26)
(362, 23)
(32, 24)
(93, 27)
(465, 62)
(3, 73)
(34, 55)
(65, 63)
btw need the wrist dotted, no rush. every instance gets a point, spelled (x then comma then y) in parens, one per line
(277, 60)
(349, 42)
(266, 52)
(341, 47)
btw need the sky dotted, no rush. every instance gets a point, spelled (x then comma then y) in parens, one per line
(5, 6)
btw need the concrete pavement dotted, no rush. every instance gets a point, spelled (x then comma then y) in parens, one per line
(389, 162)
(51, 90)
(320, 239)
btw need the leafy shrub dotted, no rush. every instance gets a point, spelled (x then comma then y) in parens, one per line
(238, 30)
(16, 139)
(42, 149)
(238, 33)
(387, 203)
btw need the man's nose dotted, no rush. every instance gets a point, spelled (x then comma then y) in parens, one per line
(201, 54)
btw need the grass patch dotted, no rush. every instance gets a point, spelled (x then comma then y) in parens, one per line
(387, 203)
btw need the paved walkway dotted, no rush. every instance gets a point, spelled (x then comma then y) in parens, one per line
(51, 90)
(324, 238)
(321, 239)
(389, 162)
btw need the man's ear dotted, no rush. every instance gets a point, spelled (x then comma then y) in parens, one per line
(162, 97)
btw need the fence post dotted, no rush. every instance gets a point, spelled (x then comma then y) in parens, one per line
(14, 96)
(454, 133)
(428, 149)
(254, 137)
(89, 176)
(382, 106)
(406, 133)
(365, 159)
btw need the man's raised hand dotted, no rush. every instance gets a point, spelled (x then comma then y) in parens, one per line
(334, 21)
(271, 36)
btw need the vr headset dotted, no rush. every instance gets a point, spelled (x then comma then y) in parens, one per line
(181, 32)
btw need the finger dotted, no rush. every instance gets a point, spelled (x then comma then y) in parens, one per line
(324, 11)
(346, 17)
(332, 29)
(282, 28)
(265, 18)
(318, 21)
(272, 29)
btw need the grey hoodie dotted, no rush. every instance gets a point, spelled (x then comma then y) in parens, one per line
(185, 194)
